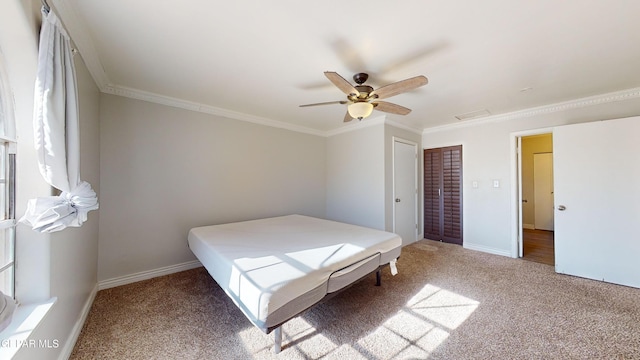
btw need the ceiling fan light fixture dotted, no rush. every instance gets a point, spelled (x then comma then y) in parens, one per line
(360, 110)
(361, 98)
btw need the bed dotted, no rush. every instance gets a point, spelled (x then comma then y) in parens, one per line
(275, 268)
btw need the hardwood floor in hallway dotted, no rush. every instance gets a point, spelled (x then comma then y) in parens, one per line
(538, 246)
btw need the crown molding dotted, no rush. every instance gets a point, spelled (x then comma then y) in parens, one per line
(207, 109)
(622, 95)
(368, 122)
(372, 121)
(611, 97)
(404, 127)
(212, 110)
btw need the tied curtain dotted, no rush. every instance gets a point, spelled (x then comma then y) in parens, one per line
(57, 135)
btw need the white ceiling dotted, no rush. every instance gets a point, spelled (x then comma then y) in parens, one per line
(261, 59)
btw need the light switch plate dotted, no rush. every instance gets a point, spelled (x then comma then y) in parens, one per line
(496, 183)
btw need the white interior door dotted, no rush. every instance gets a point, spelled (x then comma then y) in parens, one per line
(543, 190)
(405, 191)
(597, 193)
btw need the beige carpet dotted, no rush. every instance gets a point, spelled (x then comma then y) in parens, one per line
(446, 303)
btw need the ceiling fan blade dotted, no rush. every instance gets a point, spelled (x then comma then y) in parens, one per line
(413, 57)
(391, 108)
(326, 103)
(347, 53)
(341, 83)
(347, 117)
(399, 87)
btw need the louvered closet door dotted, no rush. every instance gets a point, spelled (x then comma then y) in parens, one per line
(432, 172)
(443, 194)
(452, 194)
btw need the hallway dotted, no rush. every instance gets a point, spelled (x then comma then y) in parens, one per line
(538, 246)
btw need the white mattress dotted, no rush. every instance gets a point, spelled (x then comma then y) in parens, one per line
(277, 267)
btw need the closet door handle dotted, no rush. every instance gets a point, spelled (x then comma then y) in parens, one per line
(562, 208)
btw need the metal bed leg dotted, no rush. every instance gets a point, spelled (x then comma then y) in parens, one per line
(378, 278)
(277, 337)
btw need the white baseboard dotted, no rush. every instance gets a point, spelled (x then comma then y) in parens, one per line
(145, 275)
(122, 280)
(75, 331)
(487, 249)
(529, 226)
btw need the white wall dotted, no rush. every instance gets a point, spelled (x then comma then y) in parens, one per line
(62, 265)
(360, 174)
(165, 170)
(355, 176)
(488, 223)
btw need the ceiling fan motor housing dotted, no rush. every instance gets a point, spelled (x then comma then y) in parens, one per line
(360, 78)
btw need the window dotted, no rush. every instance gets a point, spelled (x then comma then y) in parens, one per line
(7, 188)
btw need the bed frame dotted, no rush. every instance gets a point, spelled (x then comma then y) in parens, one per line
(277, 330)
(277, 268)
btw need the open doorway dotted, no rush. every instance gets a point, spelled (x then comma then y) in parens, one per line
(537, 198)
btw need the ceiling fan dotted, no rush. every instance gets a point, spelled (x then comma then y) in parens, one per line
(362, 99)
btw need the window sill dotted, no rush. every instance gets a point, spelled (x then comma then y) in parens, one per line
(25, 320)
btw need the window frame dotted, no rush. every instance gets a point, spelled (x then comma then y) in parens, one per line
(8, 221)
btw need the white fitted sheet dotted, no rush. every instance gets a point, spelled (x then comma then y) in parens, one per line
(277, 267)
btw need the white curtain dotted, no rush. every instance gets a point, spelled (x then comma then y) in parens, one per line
(57, 137)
